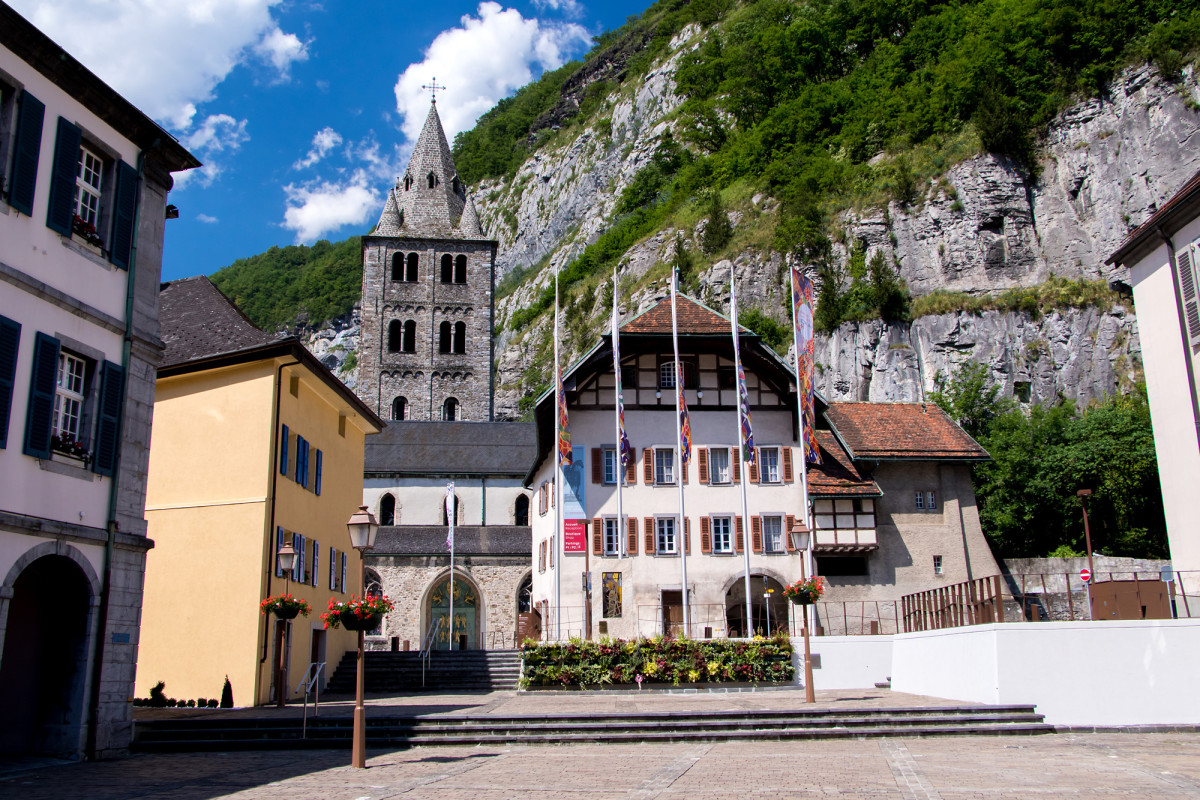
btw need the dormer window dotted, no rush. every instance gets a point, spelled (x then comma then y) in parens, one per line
(407, 182)
(432, 180)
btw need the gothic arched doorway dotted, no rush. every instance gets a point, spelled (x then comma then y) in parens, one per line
(466, 611)
(767, 604)
(44, 666)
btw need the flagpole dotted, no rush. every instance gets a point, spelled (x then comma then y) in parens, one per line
(451, 513)
(554, 543)
(737, 358)
(801, 401)
(622, 534)
(680, 533)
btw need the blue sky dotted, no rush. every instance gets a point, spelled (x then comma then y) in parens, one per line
(304, 112)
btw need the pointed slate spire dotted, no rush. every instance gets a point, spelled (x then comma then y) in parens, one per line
(389, 220)
(469, 225)
(430, 197)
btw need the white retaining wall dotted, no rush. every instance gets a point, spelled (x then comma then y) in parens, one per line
(846, 662)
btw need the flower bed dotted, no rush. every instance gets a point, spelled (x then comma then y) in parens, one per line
(657, 661)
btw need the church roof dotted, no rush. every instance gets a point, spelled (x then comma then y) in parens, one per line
(451, 448)
(430, 199)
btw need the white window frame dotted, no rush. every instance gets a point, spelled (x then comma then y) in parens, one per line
(612, 537)
(780, 545)
(660, 468)
(70, 396)
(89, 185)
(920, 498)
(712, 466)
(938, 566)
(610, 466)
(666, 543)
(727, 520)
(763, 475)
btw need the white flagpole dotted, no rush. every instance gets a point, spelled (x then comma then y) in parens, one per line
(622, 534)
(557, 500)
(800, 399)
(680, 537)
(737, 357)
(451, 513)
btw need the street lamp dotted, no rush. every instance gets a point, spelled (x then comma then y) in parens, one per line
(362, 528)
(800, 540)
(286, 559)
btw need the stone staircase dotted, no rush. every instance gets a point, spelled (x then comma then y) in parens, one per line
(396, 732)
(447, 671)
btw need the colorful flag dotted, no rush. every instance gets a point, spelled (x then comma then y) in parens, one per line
(564, 431)
(747, 431)
(685, 424)
(625, 451)
(802, 313)
(450, 516)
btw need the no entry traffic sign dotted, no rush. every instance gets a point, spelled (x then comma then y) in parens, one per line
(1085, 575)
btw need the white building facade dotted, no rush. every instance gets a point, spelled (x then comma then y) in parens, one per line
(85, 179)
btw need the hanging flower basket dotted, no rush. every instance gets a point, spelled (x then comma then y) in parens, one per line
(805, 592)
(356, 614)
(353, 623)
(285, 606)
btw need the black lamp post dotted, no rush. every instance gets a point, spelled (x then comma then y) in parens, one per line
(800, 540)
(286, 558)
(362, 528)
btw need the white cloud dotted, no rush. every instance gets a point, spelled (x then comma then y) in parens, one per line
(217, 132)
(569, 7)
(486, 59)
(206, 219)
(321, 207)
(325, 140)
(165, 57)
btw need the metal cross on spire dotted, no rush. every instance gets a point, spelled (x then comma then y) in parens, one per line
(433, 87)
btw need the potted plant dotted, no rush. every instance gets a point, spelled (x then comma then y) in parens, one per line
(807, 591)
(357, 614)
(285, 606)
(65, 444)
(86, 232)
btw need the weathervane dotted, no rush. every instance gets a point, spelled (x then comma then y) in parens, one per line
(433, 87)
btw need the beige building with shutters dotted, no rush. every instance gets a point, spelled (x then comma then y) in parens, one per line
(893, 506)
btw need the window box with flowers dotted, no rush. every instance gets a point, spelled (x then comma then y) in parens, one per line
(805, 592)
(285, 606)
(84, 233)
(65, 447)
(356, 614)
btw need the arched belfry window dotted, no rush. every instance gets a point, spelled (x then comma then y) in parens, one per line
(447, 268)
(411, 273)
(521, 510)
(450, 410)
(410, 336)
(400, 408)
(432, 180)
(397, 266)
(460, 269)
(395, 334)
(457, 185)
(387, 510)
(460, 337)
(444, 342)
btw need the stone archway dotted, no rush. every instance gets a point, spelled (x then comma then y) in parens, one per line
(43, 668)
(768, 616)
(468, 611)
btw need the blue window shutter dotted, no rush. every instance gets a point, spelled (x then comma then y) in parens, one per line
(120, 244)
(332, 568)
(108, 426)
(26, 151)
(61, 208)
(10, 339)
(317, 488)
(40, 414)
(283, 454)
(296, 563)
(342, 585)
(299, 457)
(278, 547)
(316, 561)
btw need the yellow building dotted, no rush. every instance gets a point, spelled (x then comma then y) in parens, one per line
(254, 443)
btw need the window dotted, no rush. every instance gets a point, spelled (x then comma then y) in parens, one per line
(69, 396)
(89, 184)
(726, 378)
(279, 540)
(521, 510)
(937, 565)
(772, 531)
(612, 537)
(664, 528)
(387, 510)
(302, 454)
(457, 512)
(444, 338)
(447, 268)
(664, 466)
(342, 582)
(768, 466)
(410, 336)
(931, 501)
(460, 269)
(410, 273)
(722, 537)
(718, 465)
(397, 266)
(431, 179)
(920, 498)
(460, 337)
(395, 340)
(333, 569)
(408, 181)
(316, 559)
(610, 597)
(450, 410)
(10, 339)
(666, 375)
(400, 408)
(610, 465)
(629, 376)
(849, 566)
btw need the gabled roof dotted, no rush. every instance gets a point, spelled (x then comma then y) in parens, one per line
(692, 319)
(199, 321)
(836, 475)
(451, 448)
(1182, 208)
(895, 431)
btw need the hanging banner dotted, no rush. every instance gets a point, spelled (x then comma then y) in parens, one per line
(574, 535)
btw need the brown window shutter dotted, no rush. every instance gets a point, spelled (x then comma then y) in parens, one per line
(687, 536)
(631, 536)
(756, 533)
(705, 535)
(597, 465)
(631, 468)
(735, 463)
(553, 494)
(597, 537)
(790, 521)
(542, 556)
(787, 464)
(739, 537)
(650, 549)
(648, 466)
(702, 462)
(754, 467)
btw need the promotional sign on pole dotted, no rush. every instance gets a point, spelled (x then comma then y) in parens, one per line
(574, 536)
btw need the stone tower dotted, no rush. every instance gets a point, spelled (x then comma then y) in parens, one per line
(428, 286)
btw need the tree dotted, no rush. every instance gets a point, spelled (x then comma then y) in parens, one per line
(718, 232)
(969, 399)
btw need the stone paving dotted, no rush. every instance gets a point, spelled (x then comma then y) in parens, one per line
(1109, 765)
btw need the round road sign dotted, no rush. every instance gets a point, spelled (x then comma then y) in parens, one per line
(1085, 575)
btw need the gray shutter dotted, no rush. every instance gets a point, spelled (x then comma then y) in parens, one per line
(26, 150)
(1186, 267)
(61, 208)
(108, 426)
(10, 340)
(39, 416)
(120, 244)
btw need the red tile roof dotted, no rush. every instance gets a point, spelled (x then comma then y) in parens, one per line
(919, 431)
(836, 475)
(693, 318)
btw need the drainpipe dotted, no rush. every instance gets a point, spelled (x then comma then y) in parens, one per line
(113, 483)
(270, 538)
(1183, 330)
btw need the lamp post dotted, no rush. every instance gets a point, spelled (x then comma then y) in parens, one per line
(286, 558)
(1083, 495)
(362, 528)
(800, 540)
